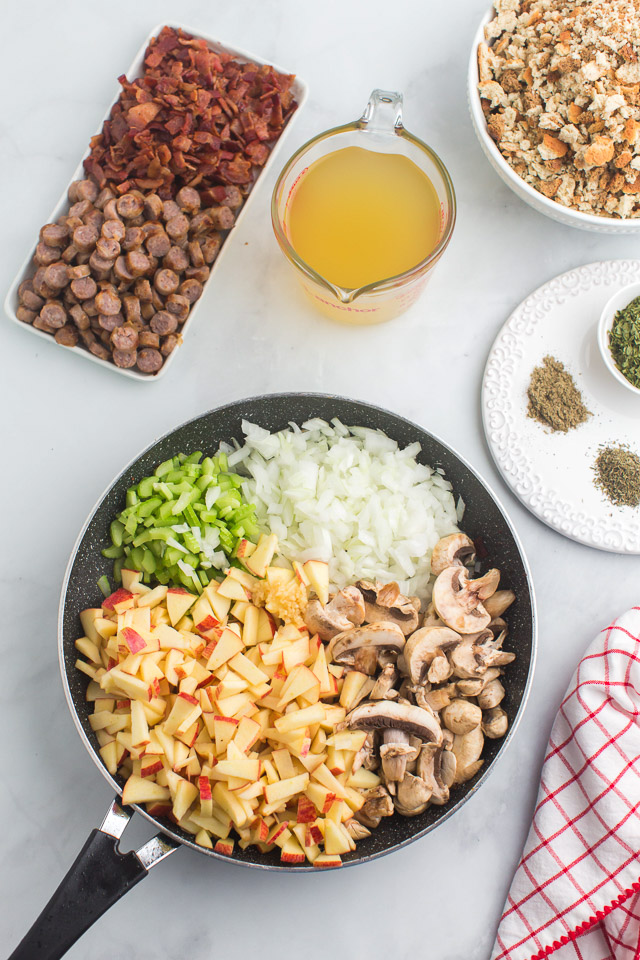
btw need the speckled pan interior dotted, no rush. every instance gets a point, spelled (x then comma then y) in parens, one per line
(483, 518)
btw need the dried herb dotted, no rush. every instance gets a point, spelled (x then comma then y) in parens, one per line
(624, 341)
(554, 399)
(617, 471)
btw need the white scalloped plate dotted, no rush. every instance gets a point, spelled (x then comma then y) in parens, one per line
(551, 473)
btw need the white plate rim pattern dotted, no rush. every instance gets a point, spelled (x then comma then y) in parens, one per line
(498, 409)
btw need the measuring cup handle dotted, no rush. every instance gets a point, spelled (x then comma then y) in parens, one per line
(383, 113)
(98, 877)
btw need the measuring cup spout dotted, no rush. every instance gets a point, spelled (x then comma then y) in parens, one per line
(383, 113)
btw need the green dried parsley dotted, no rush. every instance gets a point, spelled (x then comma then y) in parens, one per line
(617, 471)
(624, 341)
(554, 399)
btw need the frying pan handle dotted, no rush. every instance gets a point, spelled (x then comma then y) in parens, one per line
(99, 876)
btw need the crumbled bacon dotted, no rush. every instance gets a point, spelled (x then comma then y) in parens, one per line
(195, 118)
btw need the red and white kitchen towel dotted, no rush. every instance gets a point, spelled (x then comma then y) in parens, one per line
(575, 893)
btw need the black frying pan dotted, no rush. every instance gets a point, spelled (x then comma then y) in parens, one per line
(101, 874)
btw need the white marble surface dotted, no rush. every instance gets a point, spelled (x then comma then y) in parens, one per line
(68, 427)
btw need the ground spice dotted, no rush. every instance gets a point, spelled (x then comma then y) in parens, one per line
(624, 341)
(554, 399)
(617, 471)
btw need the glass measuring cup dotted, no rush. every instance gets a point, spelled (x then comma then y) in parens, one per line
(380, 129)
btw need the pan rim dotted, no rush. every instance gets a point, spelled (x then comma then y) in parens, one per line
(297, 395)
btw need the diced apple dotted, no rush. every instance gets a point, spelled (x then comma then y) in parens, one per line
(130, 579)
(300, 573)
(204, 840)
(353, 683)
(266, 626)
(233, 590)
(318, 573)
(185, 795)
(224, 730)
(336, 839)
(154, 597)
(262, 556)
(247, 732)
(87, 619)
(220, 605)
(327, 861)
(225, 847)
(299, 681)
(178, 602)
(226, 647)
(292, 852)
(300, 718)
(284, 789)
(139, 790)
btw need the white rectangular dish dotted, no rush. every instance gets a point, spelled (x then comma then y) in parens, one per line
(300, 92)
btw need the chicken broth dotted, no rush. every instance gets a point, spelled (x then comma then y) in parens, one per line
(358, 216)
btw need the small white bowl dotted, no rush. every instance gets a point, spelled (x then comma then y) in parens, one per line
(535, 199)
(618, 301)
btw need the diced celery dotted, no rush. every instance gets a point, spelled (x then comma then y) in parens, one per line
(105, 586)
(148, 562)
(116, 530)
(163, 468)
(111, 553)
(131, 497)
(145, 488)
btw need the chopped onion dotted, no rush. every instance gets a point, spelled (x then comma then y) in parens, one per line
(350, 496)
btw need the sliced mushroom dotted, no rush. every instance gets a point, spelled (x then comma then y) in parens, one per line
(438, 770)
(385, 602)
(440, 669)
(378, 804)
(491, 695)
(412, 796)
(467, 748)
(471, 688)
(396, 751)
(367, 755)
(431, 618)
(461, 716)
(423, 646)
(455, 550)
(495, 723)
(436, 700)
(357, 831)
(499, 602)
(389, 714)
(458, 599)
(380, 636)
(383, 688)
(343, 612)
(466, 660)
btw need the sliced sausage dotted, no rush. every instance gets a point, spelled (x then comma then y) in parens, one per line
(163, 323)
(142, 289)
(197, 273)
(178, 227)
(84, 288)
(196, 255)
(45, 255)
(124, 337)
(94, 219)
(179, 306)
(79, 317)
(133, 238)
(25, 315)
(101, 268)
(83, 190)
(56, 275)
(99, 350)
(170, 209)
(152, 207)
(80, 209)
(79, 271)
(107, 248)
(41, 324)
(221, 218)
(113, 230)
(68, 335)
(191, 290)
(85, 237)
(147, 338)
(110, 210)
(28, 297)
(200, 224)
(109, 321)
(53, 314)
(89, 307)
(188, 199)
(103, 197)
(132, 308)
(230, 196)
(147, 310)
(169, 344)
(166, 282)
(121, 270)
(176, 259)
(211, 247)
(158, 244)
(130, 205)
(149, 360)
(54, 235)
(125, 358)
(137, 263)
(70, 253)
(107, 301)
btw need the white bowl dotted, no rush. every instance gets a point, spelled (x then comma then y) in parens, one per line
(618, 301)
(300, 92)
(535, 199)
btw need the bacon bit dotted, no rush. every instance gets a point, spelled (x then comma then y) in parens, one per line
(195, 118)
